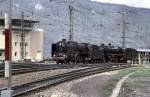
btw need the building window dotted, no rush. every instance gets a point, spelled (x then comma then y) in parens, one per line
(16, 22)
(17, 35)
(15, 53)
(26, 53)
(1, 22)
(20, 44)
(26, 44)
(1, 53)
(15, 43)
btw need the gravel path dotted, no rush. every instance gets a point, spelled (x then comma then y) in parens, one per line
(90, 86)
(138, 85)
(116, 90)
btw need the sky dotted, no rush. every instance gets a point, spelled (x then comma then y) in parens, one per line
(134, 3)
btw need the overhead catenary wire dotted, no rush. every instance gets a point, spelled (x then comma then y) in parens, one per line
(90, 18)
(46, 17)
(88, 13)
(124, 27)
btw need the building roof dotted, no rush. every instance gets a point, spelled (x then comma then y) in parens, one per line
(26, 19)
(143, 50)
(16, 23)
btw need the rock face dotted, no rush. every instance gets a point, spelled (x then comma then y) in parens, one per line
(94, 22)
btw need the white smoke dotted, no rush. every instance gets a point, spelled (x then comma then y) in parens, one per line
(38, 6)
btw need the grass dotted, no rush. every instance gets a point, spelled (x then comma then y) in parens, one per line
(139, 72)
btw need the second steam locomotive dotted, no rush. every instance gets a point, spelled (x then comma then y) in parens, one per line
(73, 52)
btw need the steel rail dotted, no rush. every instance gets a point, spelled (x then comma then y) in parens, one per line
(26, 68)
(53, 80)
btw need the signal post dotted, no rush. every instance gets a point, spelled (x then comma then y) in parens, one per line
(8, 92)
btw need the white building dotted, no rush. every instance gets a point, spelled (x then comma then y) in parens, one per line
(143, 56)
(33, 45)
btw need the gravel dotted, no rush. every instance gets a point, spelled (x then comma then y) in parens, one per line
(90, 86)
(136, 87)
(29, 77)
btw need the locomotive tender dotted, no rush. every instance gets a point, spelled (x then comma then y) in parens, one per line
(73, 52)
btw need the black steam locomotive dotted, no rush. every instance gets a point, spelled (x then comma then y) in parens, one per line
(73, 52)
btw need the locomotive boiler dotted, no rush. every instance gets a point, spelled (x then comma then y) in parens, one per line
(73, 52)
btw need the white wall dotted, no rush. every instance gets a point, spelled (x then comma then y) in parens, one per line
(34, 48)
(37, 46)
(2, 40)
(17, 48)
(2, 44)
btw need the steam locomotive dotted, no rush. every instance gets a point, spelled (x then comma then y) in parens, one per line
(72, 52)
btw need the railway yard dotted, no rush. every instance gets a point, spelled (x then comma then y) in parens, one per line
(74, 48)
(53, 75)
(66, 80)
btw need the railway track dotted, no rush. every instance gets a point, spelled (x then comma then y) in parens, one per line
(34, 67)
(53, 80)
(26, 68)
